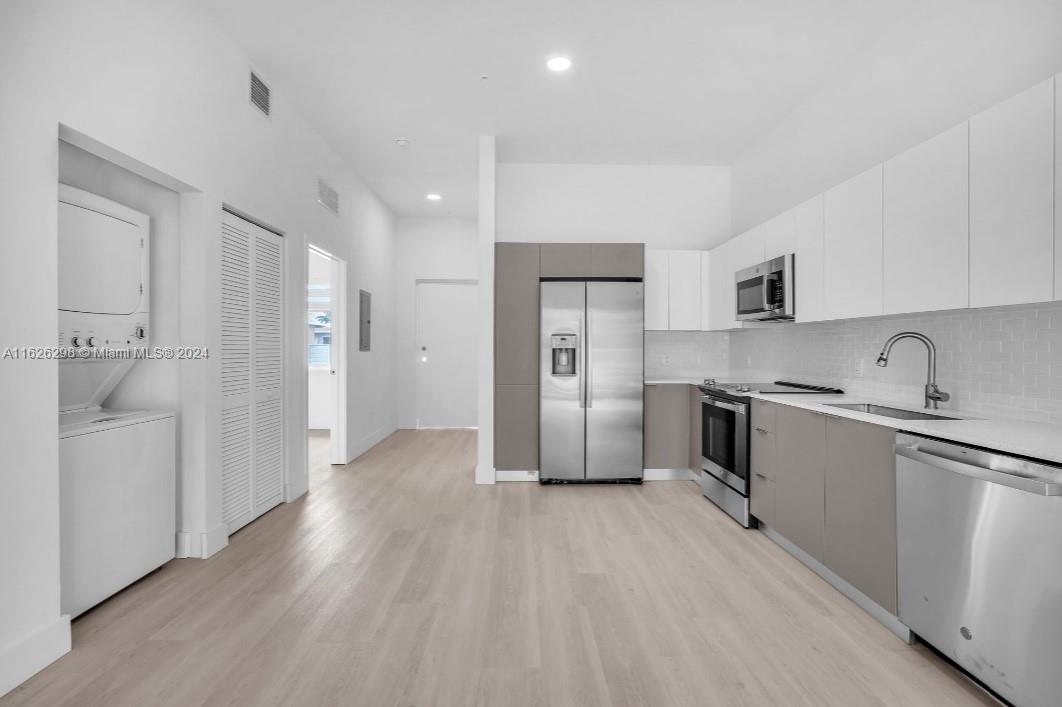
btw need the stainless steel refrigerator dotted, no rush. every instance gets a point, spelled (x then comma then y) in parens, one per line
(591, 381)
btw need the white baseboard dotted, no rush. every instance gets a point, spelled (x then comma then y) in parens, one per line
(26, 656)
(202, 544)
(861, 600)
(485, 474)
(500, 475)
(369, 441)
(668, 475)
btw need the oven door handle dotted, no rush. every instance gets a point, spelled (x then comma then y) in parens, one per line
(738, 408)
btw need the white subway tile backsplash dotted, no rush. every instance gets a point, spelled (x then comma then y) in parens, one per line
(1004, 362)
(687, 354)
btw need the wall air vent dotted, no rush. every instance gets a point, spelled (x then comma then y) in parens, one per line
(327, 196)
(259, 93)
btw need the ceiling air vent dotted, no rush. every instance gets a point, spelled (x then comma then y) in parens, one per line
(259, 93)
(327, 196)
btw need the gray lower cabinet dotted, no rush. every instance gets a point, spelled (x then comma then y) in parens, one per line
(516, 313)
(565, 260)
(861, 507)
(667, 426)
(516, 427)
(617, 260)
(800, 477)
(695, 428)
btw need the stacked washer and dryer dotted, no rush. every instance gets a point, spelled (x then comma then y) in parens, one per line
(116, 467)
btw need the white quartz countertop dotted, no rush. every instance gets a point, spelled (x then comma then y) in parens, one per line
(1031, 439)
(674, 381)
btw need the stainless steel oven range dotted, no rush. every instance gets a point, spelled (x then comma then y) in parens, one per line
(725, 441)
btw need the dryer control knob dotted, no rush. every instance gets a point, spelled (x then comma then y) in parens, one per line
(75, 341)
(139, 332)
(91, 341)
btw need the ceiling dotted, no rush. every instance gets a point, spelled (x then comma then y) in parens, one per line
(679, 82)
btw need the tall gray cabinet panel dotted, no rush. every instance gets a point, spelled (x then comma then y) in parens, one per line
(617, 259)
(516, 313)
(695, 427)
(565, 260)
(516, 427)
(516, 356)
(861, 507)
(799, 504)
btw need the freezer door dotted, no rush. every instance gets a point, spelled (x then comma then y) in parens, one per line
(562, 421)
(615, 379)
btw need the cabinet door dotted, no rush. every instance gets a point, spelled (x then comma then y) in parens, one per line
(684, 290)
(516, 427)
(808, 261)
(852, 239)
(779, 236)
(565, 260)
(926, 245)
(721, 288)
(706, 290)
(516, 313)
(861, 507)
(695, 428)
(799, 511)
(617, 260)
(667, 426)
(656, 286)
(1058, 186)
(748, 250)
(763, 460)
(1012, 200)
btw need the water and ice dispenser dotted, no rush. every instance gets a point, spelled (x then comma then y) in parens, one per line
(563, 346)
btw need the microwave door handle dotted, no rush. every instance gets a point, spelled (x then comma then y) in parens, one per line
(768, 280)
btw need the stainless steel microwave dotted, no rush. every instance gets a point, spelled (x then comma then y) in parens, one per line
(765, 291)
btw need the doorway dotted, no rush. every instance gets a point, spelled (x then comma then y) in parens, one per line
(446, 312)
(325, 359)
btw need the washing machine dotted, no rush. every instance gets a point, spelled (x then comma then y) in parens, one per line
(117, 476)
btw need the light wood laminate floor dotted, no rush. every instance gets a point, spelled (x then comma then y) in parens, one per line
(396, 581)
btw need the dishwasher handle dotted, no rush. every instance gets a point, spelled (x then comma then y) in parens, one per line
(909, 447)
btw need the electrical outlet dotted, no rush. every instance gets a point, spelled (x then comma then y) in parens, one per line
(666, 359)
(748, 361)
(860, 367)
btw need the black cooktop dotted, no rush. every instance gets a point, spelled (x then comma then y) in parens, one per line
(776, 387)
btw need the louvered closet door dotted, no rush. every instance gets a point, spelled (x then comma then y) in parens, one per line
(251, 371)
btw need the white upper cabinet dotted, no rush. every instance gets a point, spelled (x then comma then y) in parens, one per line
(656, 287)
(1012, 200)
(706, 290)
(684, 290)
(673, 290)
(927, 225)
(808, 261)
(721, 313)
(1058, 186)
(748, 250)
(779, 236)
(852, 238)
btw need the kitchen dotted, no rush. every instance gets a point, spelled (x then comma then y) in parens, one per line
(730, 396)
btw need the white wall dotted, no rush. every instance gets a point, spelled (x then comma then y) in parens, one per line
(663, 206)
(942, 63)
(428, 248)
(164, 87)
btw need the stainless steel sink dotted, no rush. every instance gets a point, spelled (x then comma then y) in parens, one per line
(886, 411)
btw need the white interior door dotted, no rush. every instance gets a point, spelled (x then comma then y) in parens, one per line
(446, 353)
(252, 297)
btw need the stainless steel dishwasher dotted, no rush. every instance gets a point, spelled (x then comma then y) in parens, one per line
(980, 563)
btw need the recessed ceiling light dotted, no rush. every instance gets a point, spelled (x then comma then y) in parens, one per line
(402, 141)
(559, 63)
(434, 197)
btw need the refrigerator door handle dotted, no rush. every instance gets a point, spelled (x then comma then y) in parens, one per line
(588, 369)
(581, 360)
